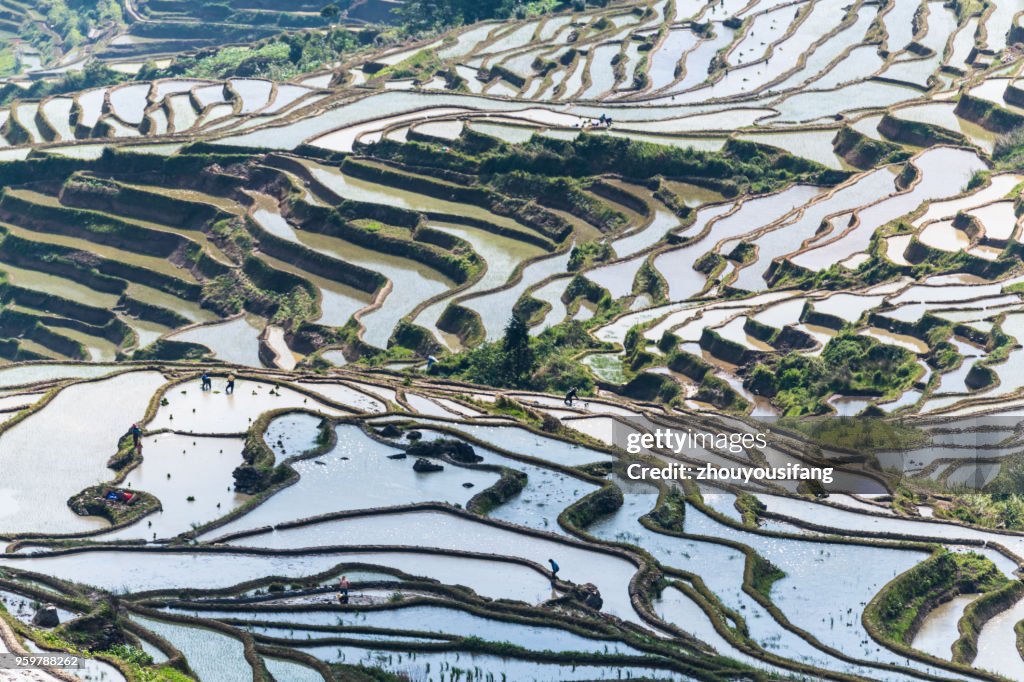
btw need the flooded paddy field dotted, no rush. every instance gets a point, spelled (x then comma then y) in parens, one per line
(329, 335)
(212, 551)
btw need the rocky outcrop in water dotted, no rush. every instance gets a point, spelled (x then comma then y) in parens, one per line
(251, 480)
(425, 466)
(454, 450)
(390, 431)
(588, 594)
(46, 617)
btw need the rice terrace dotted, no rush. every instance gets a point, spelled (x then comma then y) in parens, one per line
(511, 340)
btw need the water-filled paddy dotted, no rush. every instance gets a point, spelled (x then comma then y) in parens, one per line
(422, 663)
(940, 169)
(795, 247)
(190, 477)
(206, 570)
(359, 468)
(434, 619)
(82, 432)
(721, 567)
(233, 341)
(677, 264)
(435, 529)
(191, 410)
(211, 654)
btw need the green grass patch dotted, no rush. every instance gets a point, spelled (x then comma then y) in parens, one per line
(543, 363)
(280, 58)
(862, 433)
(850, 364)
(896, 609)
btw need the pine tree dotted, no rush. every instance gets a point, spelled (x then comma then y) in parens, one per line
(517, 365)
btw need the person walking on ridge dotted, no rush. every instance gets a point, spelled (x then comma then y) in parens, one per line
(554, 570)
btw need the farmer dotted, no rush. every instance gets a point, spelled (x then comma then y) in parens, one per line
(571, 396)
(207, 382)
(554, 570)
(343, 585)
(136, 436)
(231, 384)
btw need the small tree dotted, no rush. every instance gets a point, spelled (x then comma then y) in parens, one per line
(330, 13)
(518, 362)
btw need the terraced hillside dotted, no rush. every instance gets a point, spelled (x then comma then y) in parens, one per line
(49, 39)
(407, 237)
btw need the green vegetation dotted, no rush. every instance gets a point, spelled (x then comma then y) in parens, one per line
(717, 392)
(739, 167)
(878, 269)
(850, 364)
(990, 510)
(979, 612)
(544, 362)
(361, 673)
(764, 574)
(69, 22)
(896, 610)
(281, 58)
(92, 502)
(987, 114)
(1000, 506)
(95, 74)
(434, 15)
(560, 192)
(141, 665)
(1008, 152)
(235, 291)
(670, 513)
(518, 361)
(861, 434)
(588, 254)
(168, 349)
(945, 356)
(100, 634)
(422, 65)
(636, 355)
(594, 506)
(999, 346)
(649, 281)
(749, 508)
(968, 8)
(978, 178)
(916, 133)
(8, 61)
(711, 389)
(864, 152)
